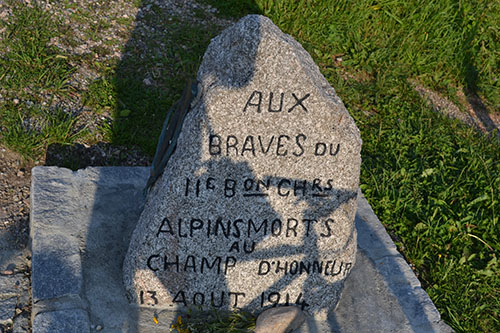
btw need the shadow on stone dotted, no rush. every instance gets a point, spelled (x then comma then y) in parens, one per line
(78, 156)
(145, 88)
(160, 270)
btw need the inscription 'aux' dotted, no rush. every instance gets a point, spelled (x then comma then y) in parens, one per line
(255, 102)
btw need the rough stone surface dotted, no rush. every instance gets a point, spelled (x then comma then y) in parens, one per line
(95, 210)
(56, 271)
(76, 321)
(279, 320)
(267, 145)
(11, 284)
(13, 295)
(110, 202)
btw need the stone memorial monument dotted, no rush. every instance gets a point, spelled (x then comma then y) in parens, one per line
(256, 206)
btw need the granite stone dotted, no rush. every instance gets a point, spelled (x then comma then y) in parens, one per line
(68, 321)
(21, 324)
(279, 320)
(109, 202)
(56, 271)
(10, 285)
(256, 206)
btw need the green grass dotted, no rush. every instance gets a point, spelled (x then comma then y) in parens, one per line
(435, 184)
(31, 66)
(445, 44)
(31, 70)
(30, 130)
(432, 181)
(214, 321)
(137, 106)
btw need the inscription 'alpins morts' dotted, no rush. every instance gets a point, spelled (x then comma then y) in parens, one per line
(256, 206)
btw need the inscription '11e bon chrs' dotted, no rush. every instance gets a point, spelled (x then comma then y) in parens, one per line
(256, 206)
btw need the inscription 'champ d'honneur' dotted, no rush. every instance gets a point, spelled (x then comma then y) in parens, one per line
(256, 206)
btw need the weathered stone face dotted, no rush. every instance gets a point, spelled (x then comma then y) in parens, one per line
(256, 206)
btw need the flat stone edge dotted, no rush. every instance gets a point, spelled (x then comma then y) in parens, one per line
(58, 302)
(378, 246)
(71, 307)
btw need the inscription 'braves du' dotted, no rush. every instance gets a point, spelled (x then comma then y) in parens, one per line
(272, 145)
(255, 207)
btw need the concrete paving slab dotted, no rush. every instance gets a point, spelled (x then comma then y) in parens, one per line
(69, 321)
(81, 224)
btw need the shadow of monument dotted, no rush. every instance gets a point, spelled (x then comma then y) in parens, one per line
(148, 100)
(482, 114)
(470, 74)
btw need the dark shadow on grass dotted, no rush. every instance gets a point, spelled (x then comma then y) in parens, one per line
(482, 114)
(163, 51)
(471, 76)
(78, 156)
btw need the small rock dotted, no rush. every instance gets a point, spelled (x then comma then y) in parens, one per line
(98, 328)
(279, 320)
(15, 101)
(7, 322)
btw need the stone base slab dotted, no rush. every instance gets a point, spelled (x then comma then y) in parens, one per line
(81, 223)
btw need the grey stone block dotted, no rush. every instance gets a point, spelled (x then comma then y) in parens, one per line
(279, 320)
(84, 224)
(381, 294)
(55, 274)
(377, 309)
(62, 321)
(55, 225)
(371, 233)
